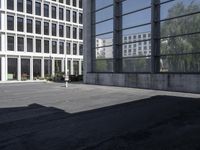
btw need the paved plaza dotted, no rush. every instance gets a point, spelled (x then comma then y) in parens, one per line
(48, 116)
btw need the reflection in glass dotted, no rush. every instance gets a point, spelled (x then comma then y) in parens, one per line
(102, 3)
(104, 52)
(25, 69)
(104, 14)
(104, 27)
(104, 65)
(104, 40)
(12, 69)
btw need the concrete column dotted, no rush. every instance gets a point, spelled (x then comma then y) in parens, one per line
(42, 68)
(4, 66)
(80, 67)
(19, 68)
(72, 66)
(31, 68)
(63, 65)
(66, 67)
(53, 66)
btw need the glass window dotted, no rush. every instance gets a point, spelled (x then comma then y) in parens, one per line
(47, 67)
(25, 69)
(61, 16)
(61, 47)
(38, 45)
(68, 14)
(80, 18)
(80, 34)
(54, 47)
(58, 66)
(38, 27)
(74, 17)
(10, 4)
(74, 33)
(29, 6)
(68, 2)
(46, 28)
(20, 5)
(61, 30)
(20, 44)
(10, 41)
(10, 22)
(53, 12)
(46, 46)
(38, 9)
(74, 49)
(29, 25)
(81, 49)
(68, 31)
(29, 45)
(20, 24)
(46, 10)
(36, 68)
(54, 29)
(12, 68)
(74, 3)
(80, 4)
(68, 48)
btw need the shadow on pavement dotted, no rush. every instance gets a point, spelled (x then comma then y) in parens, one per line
(156, 123)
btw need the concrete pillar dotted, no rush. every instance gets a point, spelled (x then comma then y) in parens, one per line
(72, 66)
(80, 67)
(4, 66)
(31, 68)
(63, 65)
(53, 66)
(66, 67)
(19, 68)
(42, 68)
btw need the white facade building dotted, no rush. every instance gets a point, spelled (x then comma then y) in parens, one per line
(134, 45)
(39, 38)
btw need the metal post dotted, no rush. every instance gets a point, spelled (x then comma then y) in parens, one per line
(117, 45)
(155, 36)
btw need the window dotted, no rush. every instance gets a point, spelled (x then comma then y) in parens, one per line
(46, 46)
(46, 28)
(68, 14)
(80, 34)
(54, 29)
(61, 32)
(68, 46)
(38, 9)
(38, 27)
(20, 44)
(29, 6)
(80, 18)
(68, 2)
(68, 31)
(61, 1)
(74, 3)
(81, 49)
(46, 10)
(20, 24)
(54, 47)
(61, 47)
(10, 22)
(10, 43)
(12, 68)
(38, 45)
(74, 33)
(53, 12)
(74, 17)
(29, 45)
(25, 69)
(29, 26)
(61, 17)
(20, 5)
(80, 4)
(74, 49)
(37, 68)
(10, 4)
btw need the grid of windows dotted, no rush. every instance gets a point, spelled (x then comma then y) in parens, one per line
(150, 36)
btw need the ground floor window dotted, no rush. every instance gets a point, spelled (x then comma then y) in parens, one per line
(76, 67)
(47, 67)
(69, 66)
(25, 69)
(58, 66)
(37, 68)
(12, 68)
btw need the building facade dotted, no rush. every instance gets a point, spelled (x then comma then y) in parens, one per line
(39, 38)
(151, 44)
